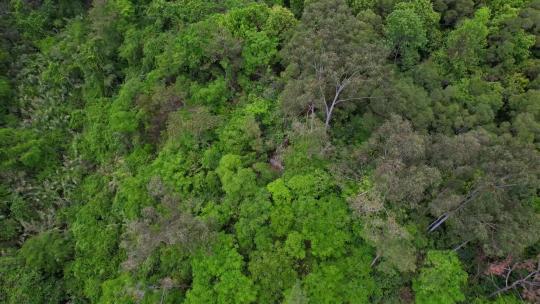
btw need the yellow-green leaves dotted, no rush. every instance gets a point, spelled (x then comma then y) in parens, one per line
(218, 277)
(441, 279)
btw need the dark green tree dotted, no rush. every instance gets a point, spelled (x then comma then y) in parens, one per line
(330, 62)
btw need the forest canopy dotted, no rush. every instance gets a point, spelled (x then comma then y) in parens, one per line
(277, 151)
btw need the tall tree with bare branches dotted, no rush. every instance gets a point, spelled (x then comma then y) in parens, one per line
(332, 61)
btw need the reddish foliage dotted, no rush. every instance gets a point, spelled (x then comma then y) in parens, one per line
(406, 295)
(499, 268)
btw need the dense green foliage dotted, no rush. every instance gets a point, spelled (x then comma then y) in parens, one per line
(241, 151)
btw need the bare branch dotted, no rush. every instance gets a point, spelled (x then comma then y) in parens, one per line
(513, 285)
(460, 246)
(358, 98)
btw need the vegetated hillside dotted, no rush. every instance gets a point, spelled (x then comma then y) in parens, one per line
(235, 151)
